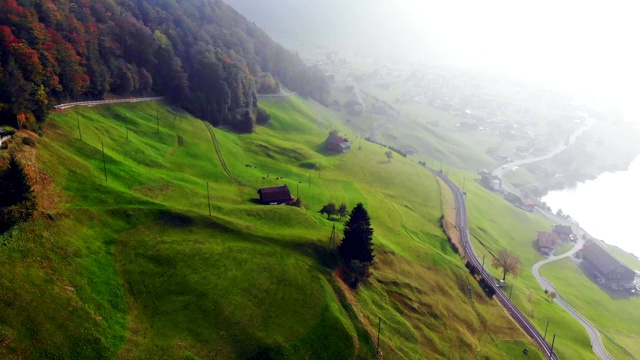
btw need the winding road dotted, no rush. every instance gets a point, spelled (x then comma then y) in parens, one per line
(594, 334)
(512, 310)
(499, 171)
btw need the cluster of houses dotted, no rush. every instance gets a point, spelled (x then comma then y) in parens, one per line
(547, 241)
(494, 183)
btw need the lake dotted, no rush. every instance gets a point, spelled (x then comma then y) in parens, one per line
(607, 207)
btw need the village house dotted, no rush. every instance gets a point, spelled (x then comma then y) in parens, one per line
(547, 241)
(336, 143)
(530, 204)
(564, 232)
(514, 199)
(492, 182)
(275, 195)
(607, 269)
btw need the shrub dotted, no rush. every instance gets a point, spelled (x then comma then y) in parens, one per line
(28, 141)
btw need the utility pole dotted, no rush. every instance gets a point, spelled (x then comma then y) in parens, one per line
(208, 198)
(79, 131)
(104, 162)
(553, 342)
(511, 292)
(379, 325)
(545, 329)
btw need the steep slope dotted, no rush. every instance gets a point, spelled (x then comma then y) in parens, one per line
(133, 267)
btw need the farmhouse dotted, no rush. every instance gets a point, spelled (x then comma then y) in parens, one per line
(275, 195)
(529, 204)
(547, 241)
(337, 143)
(607, 268)
(492, 182)
(564, 232)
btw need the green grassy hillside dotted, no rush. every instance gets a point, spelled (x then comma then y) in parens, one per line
(494, 224)
(135, 268)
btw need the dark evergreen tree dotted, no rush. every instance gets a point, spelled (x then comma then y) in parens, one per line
(358, 237)
(356, 248)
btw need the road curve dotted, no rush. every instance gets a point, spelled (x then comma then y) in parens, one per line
(500, 170)
(512, 310)
(594, 335)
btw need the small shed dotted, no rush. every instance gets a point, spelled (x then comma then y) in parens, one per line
(275, 195)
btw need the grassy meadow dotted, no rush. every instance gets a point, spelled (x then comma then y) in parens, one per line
(135, 268)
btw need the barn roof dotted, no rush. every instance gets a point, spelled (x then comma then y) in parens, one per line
(335, 139)
(547, 239)
(601, 258)
(275, 193)
(562, 229)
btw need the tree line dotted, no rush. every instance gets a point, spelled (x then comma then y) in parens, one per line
(202, 54)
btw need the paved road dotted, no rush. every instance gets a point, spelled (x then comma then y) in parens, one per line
(594, 334)
(102, 102)
(512, 310)
(499, 171)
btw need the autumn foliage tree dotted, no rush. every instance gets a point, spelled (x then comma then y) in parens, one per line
(508, 261)
(201, 54)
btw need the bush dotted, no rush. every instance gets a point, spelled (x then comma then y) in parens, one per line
(262, 116)
(28, 141)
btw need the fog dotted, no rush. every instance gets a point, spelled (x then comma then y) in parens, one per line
(583, 47)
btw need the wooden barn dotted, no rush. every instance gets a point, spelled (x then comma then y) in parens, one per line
(607, 268)
(275, 195)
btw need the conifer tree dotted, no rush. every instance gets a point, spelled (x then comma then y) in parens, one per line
(356, 248)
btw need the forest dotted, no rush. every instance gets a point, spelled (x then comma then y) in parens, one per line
(201, 54)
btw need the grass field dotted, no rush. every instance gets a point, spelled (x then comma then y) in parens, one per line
(135, 268)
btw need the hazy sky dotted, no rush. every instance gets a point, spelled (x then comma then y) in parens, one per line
(587, 46)
(575, 44)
